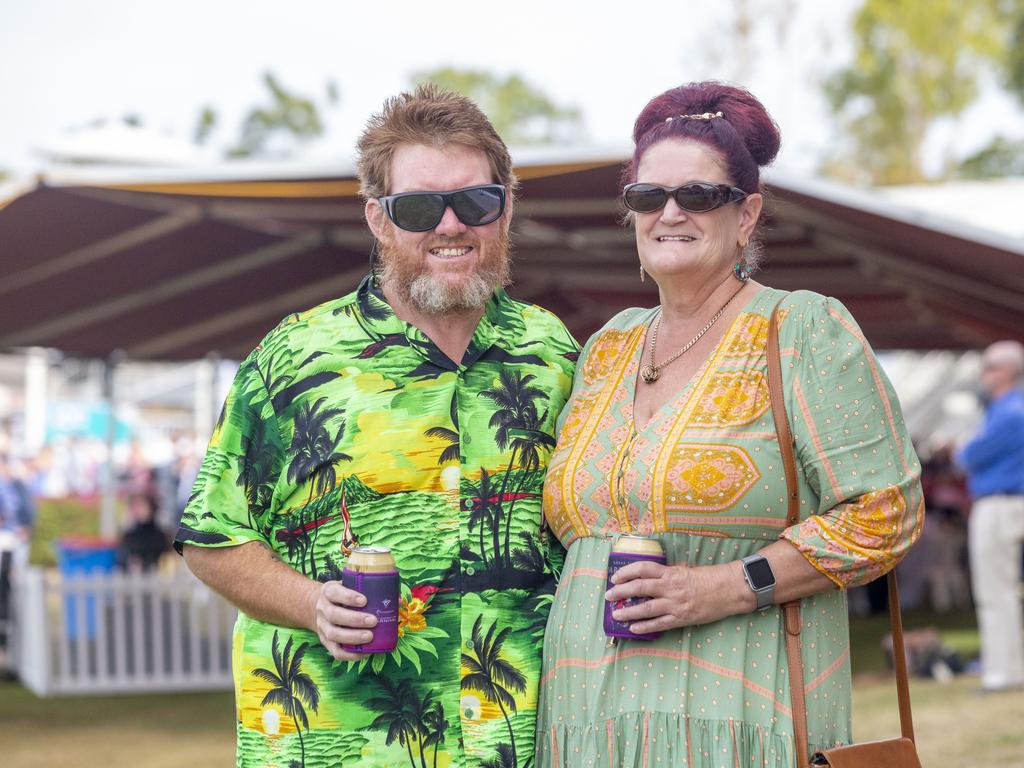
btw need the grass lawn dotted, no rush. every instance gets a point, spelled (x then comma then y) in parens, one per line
(153, 731)
(955, 727)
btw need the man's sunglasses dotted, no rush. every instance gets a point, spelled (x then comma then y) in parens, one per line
(696, 197)
(423, 211)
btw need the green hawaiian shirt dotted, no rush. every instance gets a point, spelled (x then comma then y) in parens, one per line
(347, 423)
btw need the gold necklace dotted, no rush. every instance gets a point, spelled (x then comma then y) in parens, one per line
(651, 372)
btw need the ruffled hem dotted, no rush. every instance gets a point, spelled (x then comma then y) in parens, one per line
(651, 739)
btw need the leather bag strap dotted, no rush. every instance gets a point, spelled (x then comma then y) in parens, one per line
(791, 610)
(900, 658)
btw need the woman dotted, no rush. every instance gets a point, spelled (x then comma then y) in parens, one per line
(669, 434)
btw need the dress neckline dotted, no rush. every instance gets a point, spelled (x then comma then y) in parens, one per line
(678, 400)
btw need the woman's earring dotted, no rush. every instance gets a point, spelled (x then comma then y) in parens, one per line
(641, 273)
(740, 270)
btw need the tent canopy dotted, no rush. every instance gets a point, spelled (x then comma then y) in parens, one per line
(174, 264)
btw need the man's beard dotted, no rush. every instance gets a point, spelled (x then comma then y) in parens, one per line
(433, 295)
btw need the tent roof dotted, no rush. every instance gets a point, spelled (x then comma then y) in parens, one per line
(173, 264)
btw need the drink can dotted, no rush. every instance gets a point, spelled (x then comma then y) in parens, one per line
(629, 549)
(372, 572)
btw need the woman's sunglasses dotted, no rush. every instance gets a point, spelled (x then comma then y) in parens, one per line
(423, 211)
(696, 197)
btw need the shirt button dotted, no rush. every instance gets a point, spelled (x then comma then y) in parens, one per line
(469, 570)
(469, 644)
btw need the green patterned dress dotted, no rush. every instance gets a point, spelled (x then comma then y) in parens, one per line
(347, 423)
(705, 478)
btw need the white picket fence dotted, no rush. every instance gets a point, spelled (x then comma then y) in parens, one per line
(120, 632)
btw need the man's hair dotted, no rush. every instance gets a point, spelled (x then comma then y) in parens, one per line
(434, 117)
(1009, 355)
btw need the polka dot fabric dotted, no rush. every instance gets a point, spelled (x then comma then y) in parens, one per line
(705, 478)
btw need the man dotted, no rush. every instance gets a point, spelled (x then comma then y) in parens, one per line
(416, 413)
(994, 461)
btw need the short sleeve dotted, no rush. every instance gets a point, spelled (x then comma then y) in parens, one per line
(852, 445)
(231, 498)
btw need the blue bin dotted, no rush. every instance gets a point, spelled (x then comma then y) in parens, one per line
(83, 556)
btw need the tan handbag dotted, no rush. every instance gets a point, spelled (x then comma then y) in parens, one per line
(891, 753)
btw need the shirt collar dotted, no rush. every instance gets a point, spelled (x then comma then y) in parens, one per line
(501, 324)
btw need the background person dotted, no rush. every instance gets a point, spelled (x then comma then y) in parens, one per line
(994, 462)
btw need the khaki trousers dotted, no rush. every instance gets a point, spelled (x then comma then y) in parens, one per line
(995, 536)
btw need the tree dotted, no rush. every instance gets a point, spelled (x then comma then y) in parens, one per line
(288, 114)
(1003, 156)
(492, 675)
(293, 689)
(274, 128)
(912, 64)
(521, 112)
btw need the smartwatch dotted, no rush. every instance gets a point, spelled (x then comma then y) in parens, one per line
(758, 573)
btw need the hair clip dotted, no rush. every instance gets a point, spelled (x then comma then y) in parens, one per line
(702, 116)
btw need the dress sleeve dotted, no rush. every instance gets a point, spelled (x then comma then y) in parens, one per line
(852, 445)
(231, 499)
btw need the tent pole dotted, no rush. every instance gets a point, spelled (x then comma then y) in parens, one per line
(108, 501)
(37, 367)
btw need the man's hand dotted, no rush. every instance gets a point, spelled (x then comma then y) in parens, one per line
(337, 623)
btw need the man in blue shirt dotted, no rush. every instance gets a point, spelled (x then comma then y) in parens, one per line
(994, 462)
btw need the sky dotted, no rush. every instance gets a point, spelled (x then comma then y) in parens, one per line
(66, 63)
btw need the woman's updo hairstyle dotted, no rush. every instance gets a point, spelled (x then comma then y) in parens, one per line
(745, 137)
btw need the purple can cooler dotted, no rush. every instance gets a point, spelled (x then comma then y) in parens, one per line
(372, 572)
(629, 549)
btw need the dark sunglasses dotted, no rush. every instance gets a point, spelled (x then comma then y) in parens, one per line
(422, 211)
(696, 197)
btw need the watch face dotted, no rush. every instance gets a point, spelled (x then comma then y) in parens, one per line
(760, 574)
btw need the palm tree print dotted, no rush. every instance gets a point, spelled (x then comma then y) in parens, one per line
(450, 436)
(529, 559)
(483, 513)
(517, 424)
(506, 758)
(492, 675)
(313, 455)
(408, 718)
(293, 689)
(348, 425)
(436, 724)
(256, 465)
(277, 359)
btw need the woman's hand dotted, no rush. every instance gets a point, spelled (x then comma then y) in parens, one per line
(680, 595)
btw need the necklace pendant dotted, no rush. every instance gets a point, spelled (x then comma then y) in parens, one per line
(649, 374)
